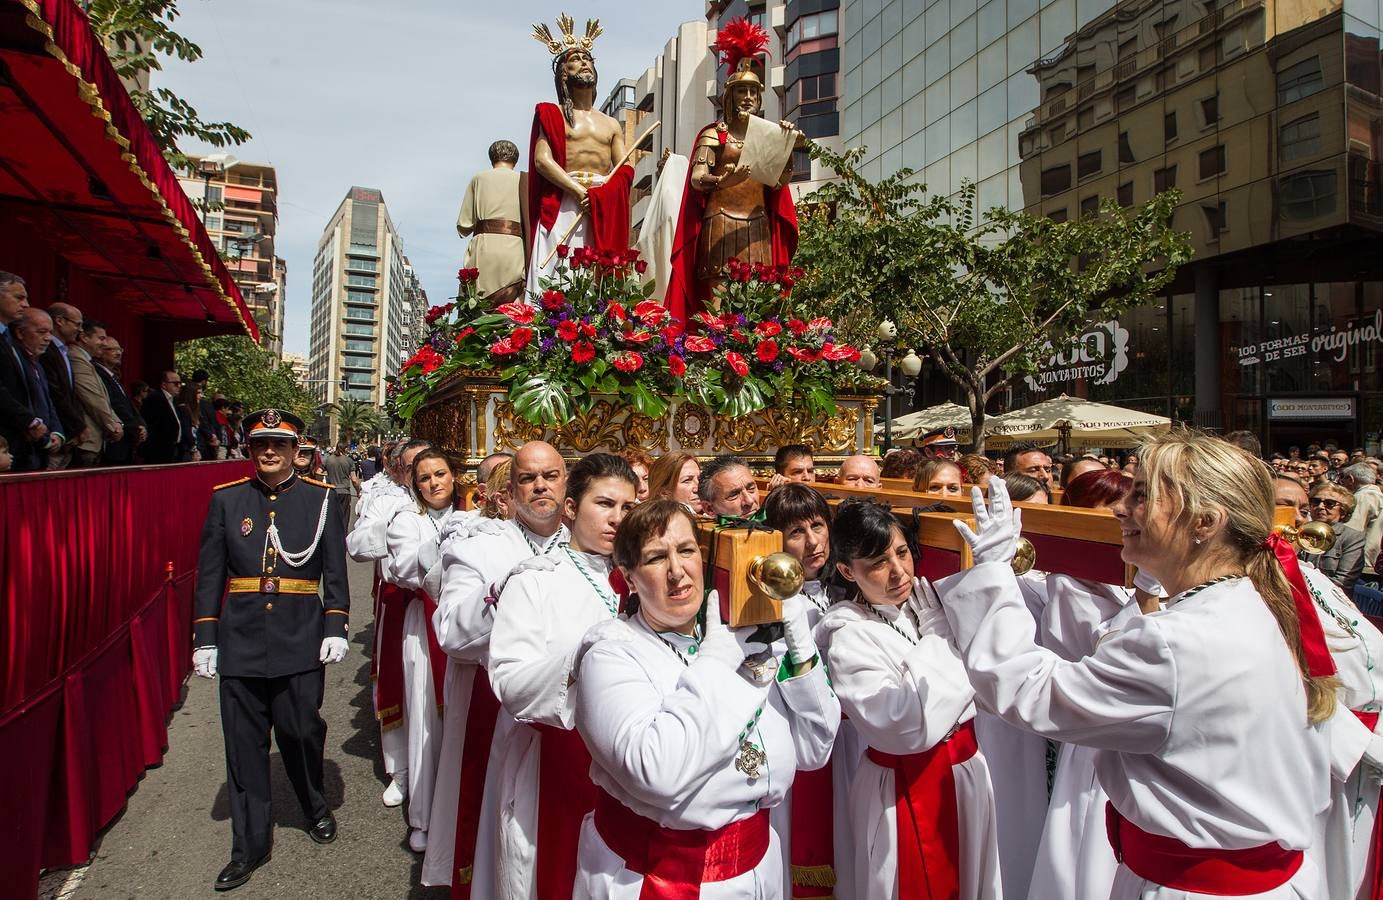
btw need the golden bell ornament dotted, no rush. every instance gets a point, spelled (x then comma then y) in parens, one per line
(1313, 537)
(779, 575)
(1024, 557)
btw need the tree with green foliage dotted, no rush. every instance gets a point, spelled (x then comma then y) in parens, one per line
(355, 418)
(244, 371)
(136, 33)
(988, 296)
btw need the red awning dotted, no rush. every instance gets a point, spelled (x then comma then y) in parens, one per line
(80, 169)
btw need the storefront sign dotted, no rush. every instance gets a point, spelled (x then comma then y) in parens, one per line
(1321, 344)
(1311, 408)
(1099, 356)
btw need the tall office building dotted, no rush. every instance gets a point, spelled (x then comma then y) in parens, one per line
(1265, 115)
(359, 302)
(239, 205)
(415, 310)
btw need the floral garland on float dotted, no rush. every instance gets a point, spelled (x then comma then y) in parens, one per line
(596, 330)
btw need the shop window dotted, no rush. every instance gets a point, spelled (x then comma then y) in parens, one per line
(1164, 179)
(1306, 195)
(1125, 195)
(1055, 180)
(1210, 109)
(1300, 80)
(1212, 161)
(1169, 126)
(1215, 218)
(1299, 138)
(1125, 149)
(1088, 164)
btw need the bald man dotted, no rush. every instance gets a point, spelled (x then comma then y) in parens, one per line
(57, 366)
(859, 470)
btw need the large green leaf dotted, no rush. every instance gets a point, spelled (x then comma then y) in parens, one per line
(645, 401)
(743, 400)
(542, 400)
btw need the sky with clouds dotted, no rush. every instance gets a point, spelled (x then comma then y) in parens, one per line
(403, 96)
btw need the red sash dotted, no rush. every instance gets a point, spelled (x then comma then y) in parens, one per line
(928, 815)
(436, 657)
(565, 795)
(475, 758)
(1221, 873)
(374, 597)
(1375, 881)
(675, 862)
(813, 847)
(389, 609)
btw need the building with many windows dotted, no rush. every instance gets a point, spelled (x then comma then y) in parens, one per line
(415, 310)
(360, 304)
(239, 205)
(1264, 115)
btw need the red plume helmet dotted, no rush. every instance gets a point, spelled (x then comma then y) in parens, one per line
(740, 39)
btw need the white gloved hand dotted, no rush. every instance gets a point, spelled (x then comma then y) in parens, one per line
(926, 609)
(486, 525)
(718, 643)
(999, 525)
(797, 630)
(539, 563)
(204, 661)
(333, 650)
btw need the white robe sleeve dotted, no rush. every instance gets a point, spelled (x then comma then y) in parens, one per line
(463, 618)
(814, 712)
(662, 748)
(1119, 698)
(414, 552)
(531, 679)
(898, 705)
(1079, 614)
(368, 539)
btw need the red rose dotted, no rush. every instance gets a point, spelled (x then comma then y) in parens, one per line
(651, 313)
(806, 356)
(563, 250)
(640, 266)
(521, 337)
(698, 343)
(554, 300)
(521, 313)
(768, 329)
(838, 352)
(737, 363)
(567, 330)
(628, 361)
(676, 365)
(466, 276)
(464, 333)
(797, 327)
(670, 332)
(767, 352)
(582, 352)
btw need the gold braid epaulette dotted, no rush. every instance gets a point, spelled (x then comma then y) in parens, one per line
(318, 483)
(231, 483)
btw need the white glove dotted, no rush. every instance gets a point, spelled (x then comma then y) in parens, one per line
(333, 650)
(999, 525)
(718, 643)
(204, 661)
(797, 631)
(931, 618)
(539, 563)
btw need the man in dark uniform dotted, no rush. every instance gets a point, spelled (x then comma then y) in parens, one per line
(273, 545)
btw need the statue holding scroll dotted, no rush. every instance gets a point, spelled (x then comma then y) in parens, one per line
(736, 203)
(578, 177)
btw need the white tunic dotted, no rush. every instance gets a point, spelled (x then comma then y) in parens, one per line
(545, 240)
(539, 623)
(664, 737)
(414, 563)
(1344, 833)
(1176, 702)
(368, 538)
(904, 693)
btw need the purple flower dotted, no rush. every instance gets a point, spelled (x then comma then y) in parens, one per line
(778, 368)
(546, 345)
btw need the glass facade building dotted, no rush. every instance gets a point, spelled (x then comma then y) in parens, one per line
(1265, 115)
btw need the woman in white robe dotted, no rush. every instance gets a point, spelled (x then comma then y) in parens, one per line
(904, 689)
(414, 563)
(1208, 714)
(543, 784)
(694, 732)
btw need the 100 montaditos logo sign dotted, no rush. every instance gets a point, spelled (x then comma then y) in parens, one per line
(1334, 342)
(1100, 354)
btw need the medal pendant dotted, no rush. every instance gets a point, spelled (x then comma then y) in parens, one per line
(247, 526)
(750, 759)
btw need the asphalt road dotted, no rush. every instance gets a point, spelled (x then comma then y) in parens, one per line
(174, 834)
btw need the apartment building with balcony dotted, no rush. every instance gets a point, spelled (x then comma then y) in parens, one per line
(360, 305)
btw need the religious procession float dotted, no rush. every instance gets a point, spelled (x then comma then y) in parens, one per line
(562, 331)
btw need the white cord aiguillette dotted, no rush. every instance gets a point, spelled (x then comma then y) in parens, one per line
(297, 560)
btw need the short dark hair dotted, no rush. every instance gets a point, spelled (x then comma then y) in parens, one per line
(90, 325)
(713, 467)
(790, 503)
(598, 465)
(862, 529)
(504, 151)
(200, 375)
(1022, 487)
(900, 463)
(1018, 449)
(404, 446)
(1246, 441)
(787, 453)
(647, 520)
(7, 278)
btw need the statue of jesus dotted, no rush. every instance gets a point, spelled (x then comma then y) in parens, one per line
(574, 150)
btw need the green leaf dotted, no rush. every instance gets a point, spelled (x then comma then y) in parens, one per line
(645, 401)
(542, 401)
(742, 401)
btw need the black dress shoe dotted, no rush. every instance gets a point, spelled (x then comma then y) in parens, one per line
(324, 830)
(237, 873)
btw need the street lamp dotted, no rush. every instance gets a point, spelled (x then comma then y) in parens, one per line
(910, 365)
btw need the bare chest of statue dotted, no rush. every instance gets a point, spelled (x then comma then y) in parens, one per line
(590, 141)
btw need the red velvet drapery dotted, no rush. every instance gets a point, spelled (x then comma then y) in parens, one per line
(96, 578)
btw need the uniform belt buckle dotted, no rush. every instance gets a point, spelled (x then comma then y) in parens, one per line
(268, 585)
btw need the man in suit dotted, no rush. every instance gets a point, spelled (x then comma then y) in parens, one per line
(31, 334)
(103, 427)
(107, 353)
(57, 366)
(274, 546)
(20, 424)
(161, 418)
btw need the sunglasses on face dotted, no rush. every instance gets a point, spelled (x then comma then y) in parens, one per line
(1326, 502)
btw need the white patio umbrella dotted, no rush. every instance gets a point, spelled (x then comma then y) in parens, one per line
(915, 424)
(1076, 421)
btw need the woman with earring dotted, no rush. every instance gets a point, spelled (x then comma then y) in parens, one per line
(414, 563)
(695, 730)
(922, 804)
(1207, 714)
(543, 785)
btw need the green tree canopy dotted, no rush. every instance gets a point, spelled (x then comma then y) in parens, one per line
(356, 418)
(981, 294)
(242, 370)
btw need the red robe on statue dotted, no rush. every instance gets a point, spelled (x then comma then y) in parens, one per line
(609, 201)
(686, 296)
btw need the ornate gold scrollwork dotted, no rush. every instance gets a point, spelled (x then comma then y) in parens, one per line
(590, 430)
(511, 431)
(692, 425)
(642, 431)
